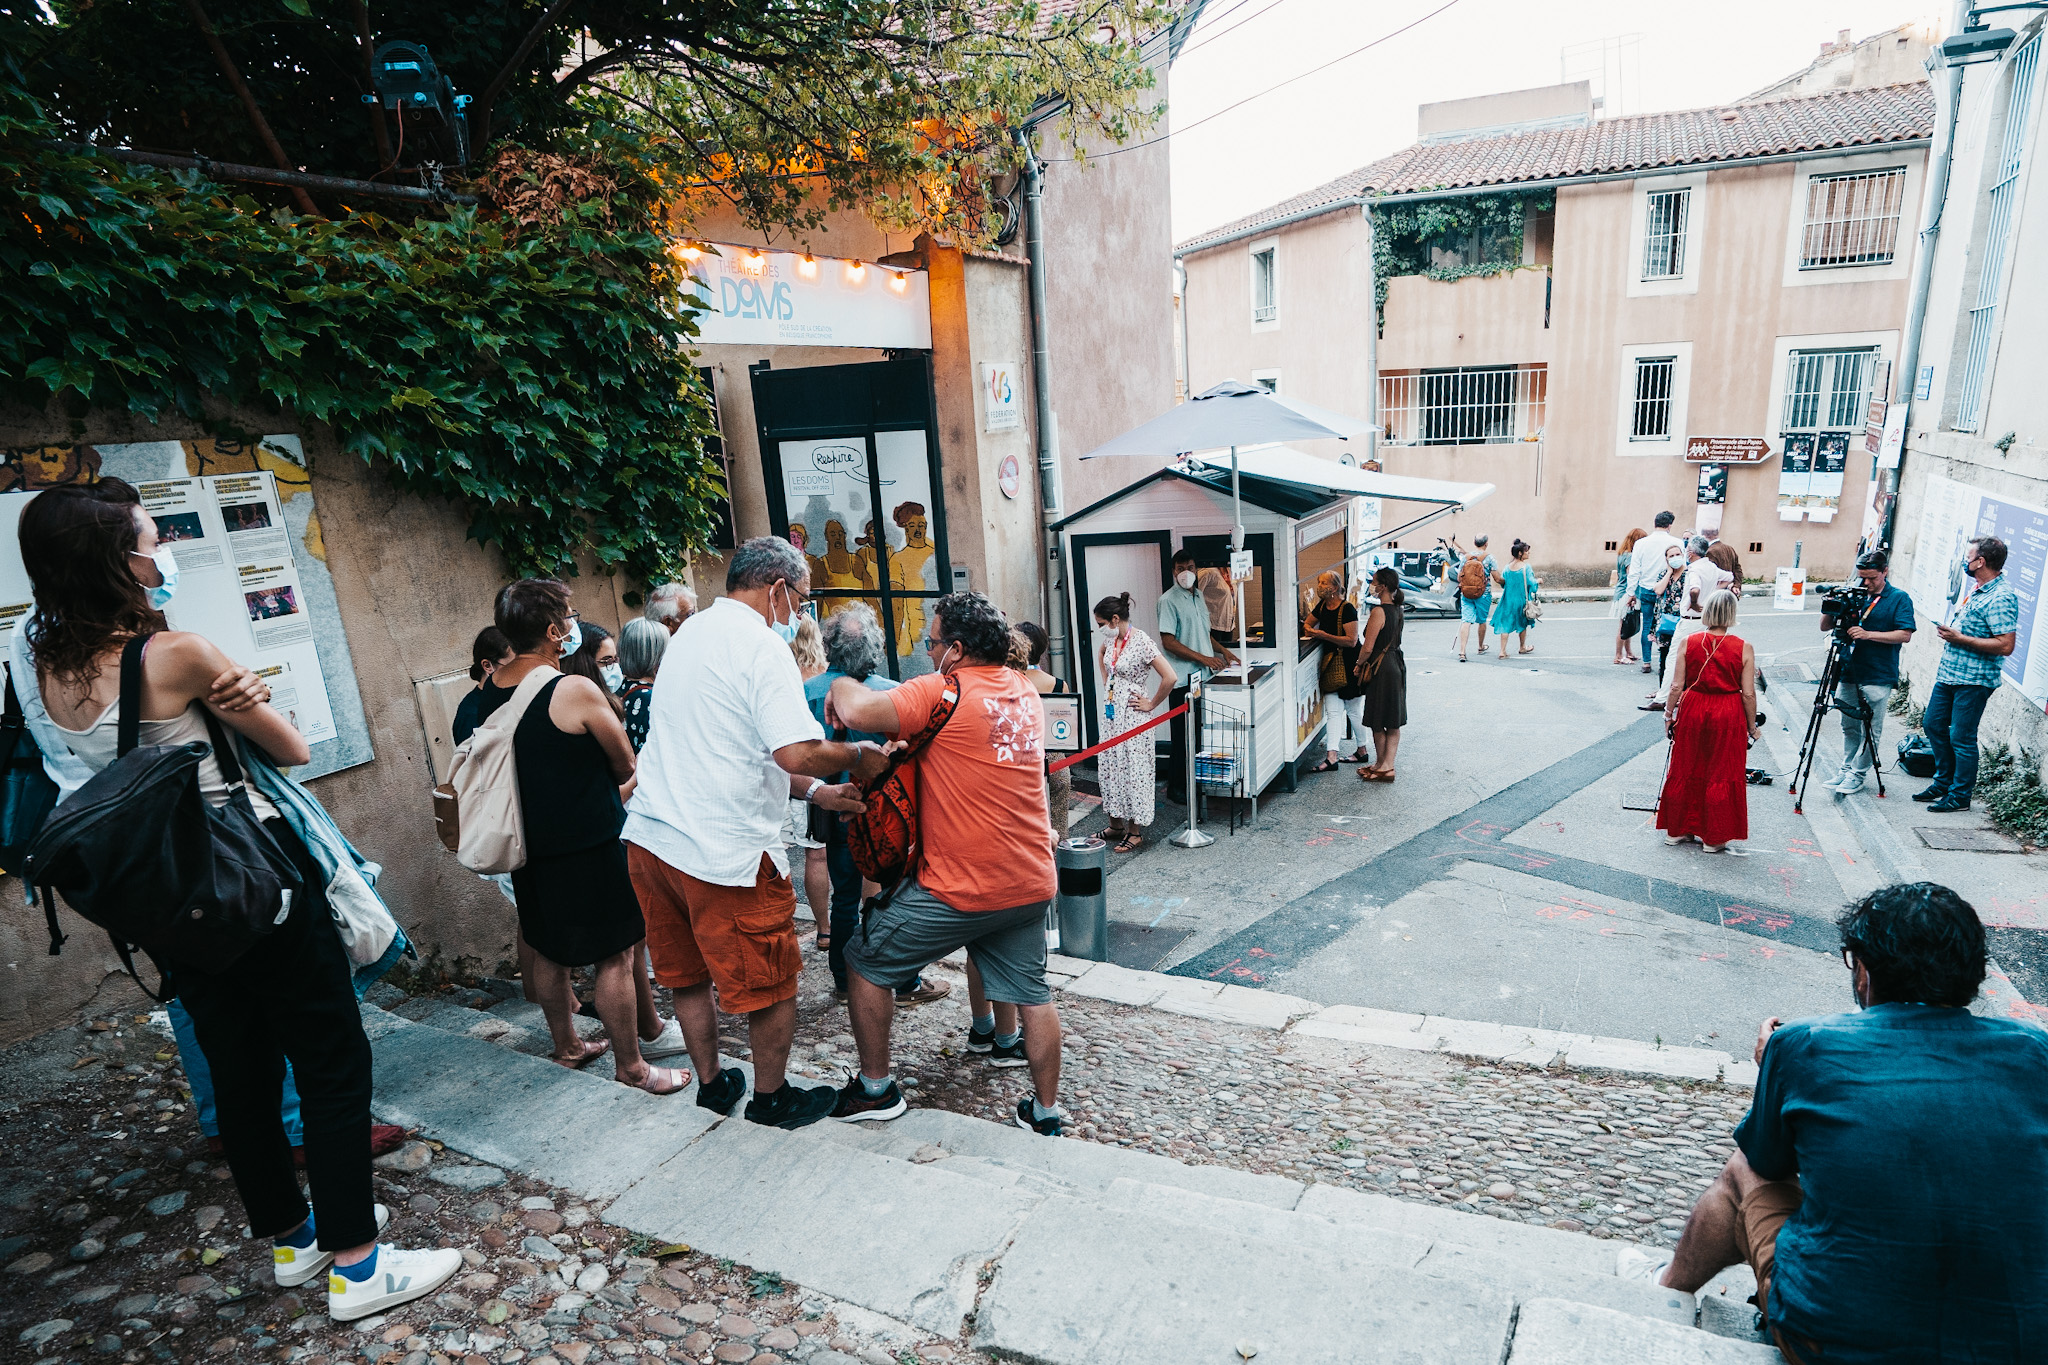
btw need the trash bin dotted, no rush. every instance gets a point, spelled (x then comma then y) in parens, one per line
(1083, 901)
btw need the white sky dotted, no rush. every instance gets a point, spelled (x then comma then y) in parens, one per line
(1688, 55)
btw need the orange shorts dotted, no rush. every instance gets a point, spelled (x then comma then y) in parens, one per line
(1761, 1216)
(740, 938)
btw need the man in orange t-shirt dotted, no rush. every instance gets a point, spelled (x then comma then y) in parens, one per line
(984, 873)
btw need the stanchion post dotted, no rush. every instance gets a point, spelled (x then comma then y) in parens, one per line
(1192, 837)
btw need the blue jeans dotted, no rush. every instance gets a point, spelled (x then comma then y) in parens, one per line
(199, 1076)
(1646, 603)
(1953, 711)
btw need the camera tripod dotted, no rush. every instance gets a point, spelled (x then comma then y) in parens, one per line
(1824, 702)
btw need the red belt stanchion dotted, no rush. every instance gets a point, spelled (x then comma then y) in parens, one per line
(1190, 837)
(1090, 752)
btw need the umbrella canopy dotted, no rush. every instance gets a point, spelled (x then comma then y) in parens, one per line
(1233, 413)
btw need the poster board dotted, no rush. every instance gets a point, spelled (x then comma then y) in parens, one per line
(1795, 476)
(1951, 515)
(252, 572)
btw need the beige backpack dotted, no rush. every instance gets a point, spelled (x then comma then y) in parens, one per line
(478, 808)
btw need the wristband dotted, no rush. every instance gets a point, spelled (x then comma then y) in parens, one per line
(817, 784)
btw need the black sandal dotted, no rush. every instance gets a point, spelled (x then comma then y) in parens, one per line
(1328, 765)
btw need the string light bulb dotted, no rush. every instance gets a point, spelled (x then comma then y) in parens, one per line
(899, 281)
(755, 263)
(689, 251)
(808, 266)
(856, 271)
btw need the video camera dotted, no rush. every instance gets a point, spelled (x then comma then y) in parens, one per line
(1846, 605)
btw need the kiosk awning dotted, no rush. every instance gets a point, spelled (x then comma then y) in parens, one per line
(1286, 465)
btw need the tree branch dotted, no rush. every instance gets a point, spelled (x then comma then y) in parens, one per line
(487, 101)
(376, 106)
(241, 87)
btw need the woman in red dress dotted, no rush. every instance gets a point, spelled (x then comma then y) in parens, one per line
(1712, 723)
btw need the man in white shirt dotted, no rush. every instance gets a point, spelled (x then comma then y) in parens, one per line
(1645, 567)
(1703, 577)
(730, 741)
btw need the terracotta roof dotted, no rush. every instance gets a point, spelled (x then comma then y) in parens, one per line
(1688, 137)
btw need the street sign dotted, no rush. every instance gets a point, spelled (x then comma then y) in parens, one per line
(1240, 566)
(1727, 449)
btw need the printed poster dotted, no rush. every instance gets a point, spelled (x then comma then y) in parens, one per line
(1952, 515)
(1795, 476)
(1824, 488)
(252, 573)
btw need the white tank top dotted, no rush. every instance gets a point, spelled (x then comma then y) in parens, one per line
(98, 746)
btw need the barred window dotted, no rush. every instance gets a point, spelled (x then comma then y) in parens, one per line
(1664, 234)
(1651, 411)
(1466, 406)
(1827, 390)
(1852, 219)
(1265, 301)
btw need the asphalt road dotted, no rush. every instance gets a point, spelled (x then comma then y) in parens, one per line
(1504, 877)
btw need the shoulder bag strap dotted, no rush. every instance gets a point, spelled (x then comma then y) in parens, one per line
(508, 716)
(130, 723)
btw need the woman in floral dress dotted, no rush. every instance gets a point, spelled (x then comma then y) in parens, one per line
(1131, 665)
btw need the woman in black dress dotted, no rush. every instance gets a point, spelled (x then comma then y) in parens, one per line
(1386, 695)
(576, 903)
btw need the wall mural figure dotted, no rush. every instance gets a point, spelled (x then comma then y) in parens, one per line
(910, 571)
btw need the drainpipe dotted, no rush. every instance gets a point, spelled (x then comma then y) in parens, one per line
(1939, 161)
(1187, 385)
(1041, 392)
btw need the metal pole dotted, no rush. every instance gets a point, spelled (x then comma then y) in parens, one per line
(1192, 837)
(1938, 164)
(1041, 393)
(1244, 662)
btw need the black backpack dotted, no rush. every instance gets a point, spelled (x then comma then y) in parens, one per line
(26, 791)
(137, 851)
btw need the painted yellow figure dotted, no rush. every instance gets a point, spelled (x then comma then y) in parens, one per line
(906, 574)
(837, 569)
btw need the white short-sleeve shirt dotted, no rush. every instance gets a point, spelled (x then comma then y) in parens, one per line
(1702, 576)
(711, 799)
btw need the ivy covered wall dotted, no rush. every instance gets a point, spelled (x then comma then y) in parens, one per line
(1449, 239)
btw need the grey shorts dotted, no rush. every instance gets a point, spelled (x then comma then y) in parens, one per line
(917, 929)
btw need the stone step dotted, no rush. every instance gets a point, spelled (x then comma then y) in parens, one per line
(1556, 1332)
(1523, 1277)
(1085, 1283)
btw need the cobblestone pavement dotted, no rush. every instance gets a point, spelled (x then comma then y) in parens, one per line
(121, 1240)
(1615, 1156)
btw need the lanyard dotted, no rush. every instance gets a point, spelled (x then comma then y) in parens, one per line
(1123, 642)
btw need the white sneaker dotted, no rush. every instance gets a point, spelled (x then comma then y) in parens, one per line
(1635, 1263)
(1849, 784)
(668, 1044)
(398, 1277)
(296, 1265)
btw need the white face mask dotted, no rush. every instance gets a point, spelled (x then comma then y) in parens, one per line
(1186, 578)
(614, 676)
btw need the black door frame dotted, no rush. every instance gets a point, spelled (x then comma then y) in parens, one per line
(856, 382)
(1084, 663)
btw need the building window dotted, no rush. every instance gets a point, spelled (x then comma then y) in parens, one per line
(1650, 418)
(1664, 234)
(1852, 219)
(1476, 405)
(1827, 391)
(1269, 380)
(1265, 297)
(2012, 154)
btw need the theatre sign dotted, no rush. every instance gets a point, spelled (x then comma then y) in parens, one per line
(1727, 449)
(780, 298)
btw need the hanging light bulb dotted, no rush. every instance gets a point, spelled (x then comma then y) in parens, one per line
(755, 262)
(808, 266)
(899, 281)
(856, 271)
(689, 251)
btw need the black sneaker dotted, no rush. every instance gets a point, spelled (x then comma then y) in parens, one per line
(855, 1103)
(1048, 1127)
(1930, 794)
(792, 1106)
(1013, 1055)
(977, 1041)
(722, 1094)
(1950, 803)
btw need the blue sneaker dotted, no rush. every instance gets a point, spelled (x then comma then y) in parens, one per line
(1048, 1126)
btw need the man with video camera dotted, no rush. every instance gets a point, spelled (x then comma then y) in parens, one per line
(1876, 618)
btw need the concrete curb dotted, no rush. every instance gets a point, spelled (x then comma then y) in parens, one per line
(1226, 1004)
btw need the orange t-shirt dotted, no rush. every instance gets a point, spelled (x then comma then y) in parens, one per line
(981, 790)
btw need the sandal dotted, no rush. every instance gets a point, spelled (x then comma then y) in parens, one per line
(578, 1063)
(1525, 651)
(662, 1080)
(1328, 765)
(1359, 755)
(1129, 844)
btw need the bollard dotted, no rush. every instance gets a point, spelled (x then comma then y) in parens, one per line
(1083, 902)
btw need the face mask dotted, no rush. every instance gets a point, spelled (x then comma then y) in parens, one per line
(1105, 632)
(573, 641)
(614, 676)
(1186, 578)
(166, 565)
(785, 629)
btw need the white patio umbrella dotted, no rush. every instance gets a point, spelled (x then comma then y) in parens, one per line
(1232, 414)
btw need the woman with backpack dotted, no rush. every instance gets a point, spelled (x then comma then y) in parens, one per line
(101, 582)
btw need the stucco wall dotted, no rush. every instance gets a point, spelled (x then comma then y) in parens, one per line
(413, 592)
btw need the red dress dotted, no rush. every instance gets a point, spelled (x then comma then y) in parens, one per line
(1706, 791)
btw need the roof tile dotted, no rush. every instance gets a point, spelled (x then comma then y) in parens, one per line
(1686, 137)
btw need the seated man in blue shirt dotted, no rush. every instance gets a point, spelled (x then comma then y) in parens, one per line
(1871, 669)
(1891, 1184)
